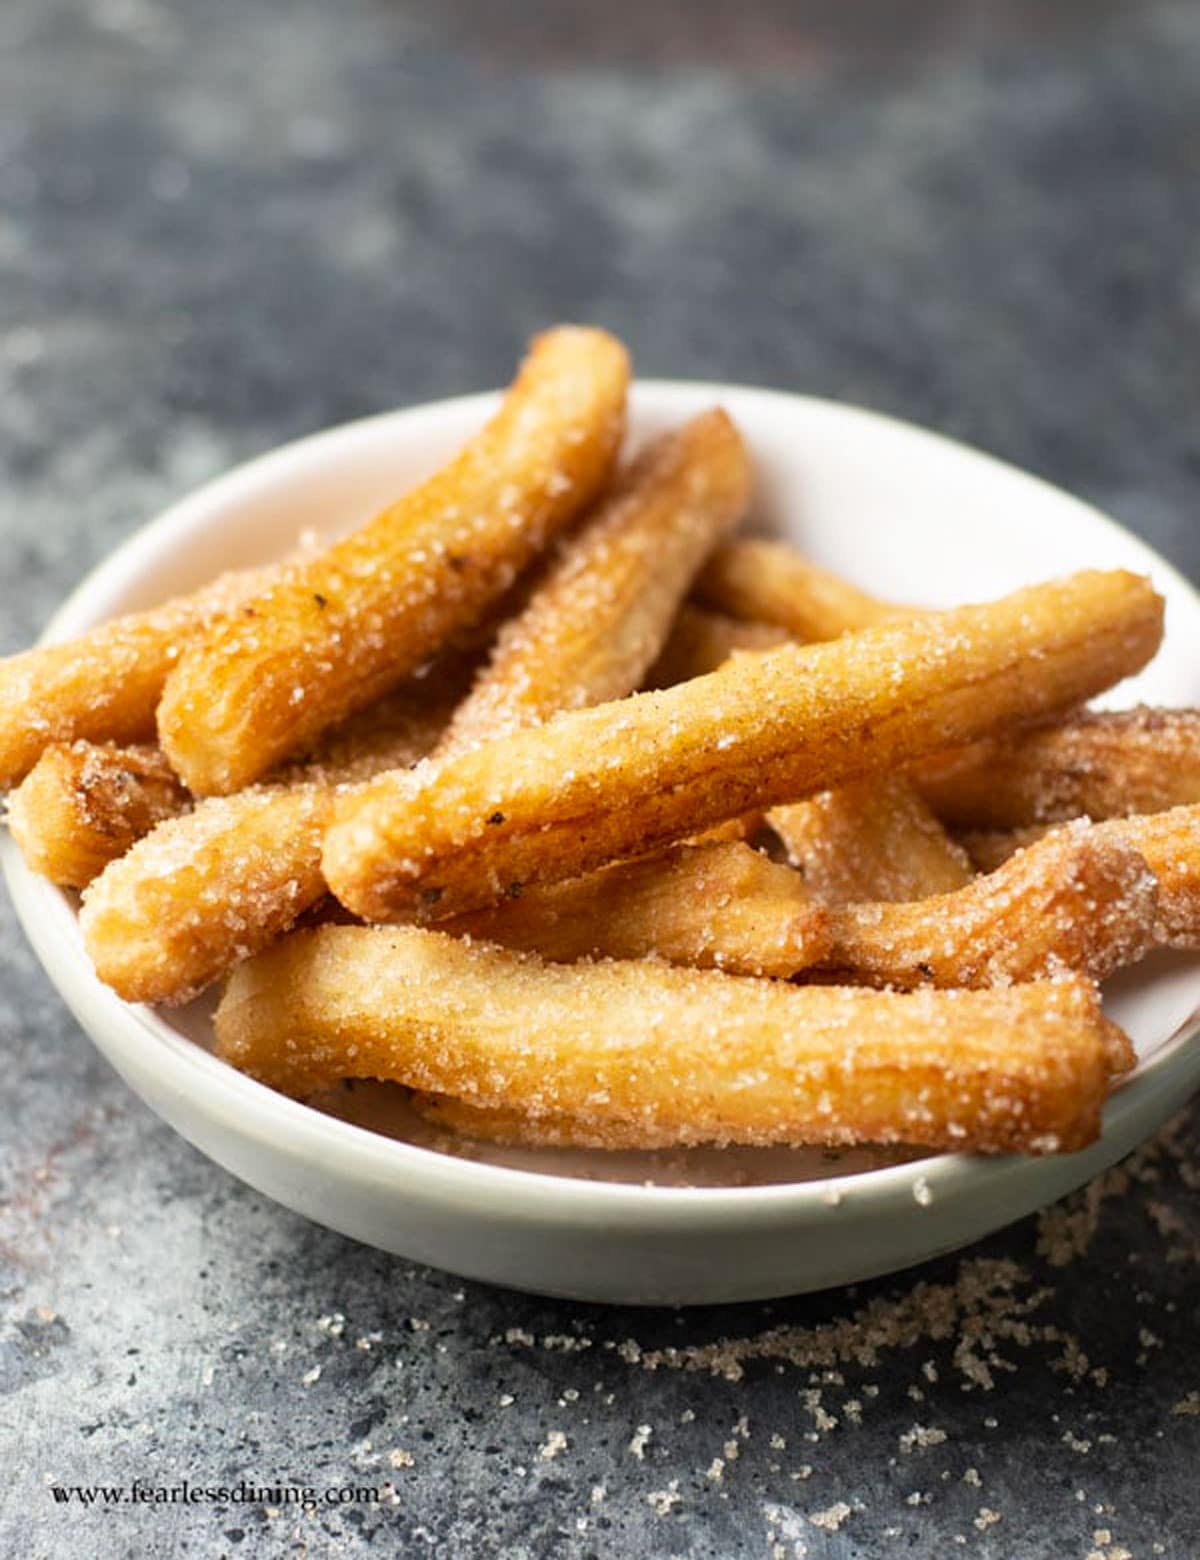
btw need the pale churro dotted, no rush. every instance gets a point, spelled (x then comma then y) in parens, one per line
(362, 614)
(626, 778)
(874, 840)
(689, 1056)
(83, 804)
(1104, 764)
(1074, 901)
(202, 891)
(104, 685)
(600, 615)
(770, 582)
(714, 906)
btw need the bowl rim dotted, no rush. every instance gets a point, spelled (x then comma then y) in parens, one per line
(538, 1196)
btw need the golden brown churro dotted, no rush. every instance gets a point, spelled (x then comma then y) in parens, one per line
(689, 1056)
(701, 641)
(104, 685)
(715, 906)
(200, 892)
(365, 612)
(1074, 901)
(770, 582)
(874, 840)
(1102, 763)
(877, 839)
(603, 610)
(624, 779)
(991, 848)
(83, 804)
(1169, 842)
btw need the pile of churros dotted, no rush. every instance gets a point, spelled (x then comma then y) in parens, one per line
(546, 796)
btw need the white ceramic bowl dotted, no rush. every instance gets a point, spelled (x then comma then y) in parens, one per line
(902, 512)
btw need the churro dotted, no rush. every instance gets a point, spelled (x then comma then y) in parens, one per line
(623, 779)
(1105, 764)
(770, 582)
(355, 619)
(874, 840)
(104, 685)
(715, 906)
(602, 612)
(202, 891)
(689, 1056)
(1169, 843)
(1074, 901)
(700, 641)
(83, 804)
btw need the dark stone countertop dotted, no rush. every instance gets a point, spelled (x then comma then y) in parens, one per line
(224, 223)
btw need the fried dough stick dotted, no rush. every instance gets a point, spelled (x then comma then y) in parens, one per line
(701, 641)
(202, 891)
(1074, 901)
(714, 906)
(83, 804)
(624, 779)
(603, 610)
(770, 582)
(363, 613)
(1169, 842)
(103, 686)
(1102, 763)
(874, 840)
(686, 1056)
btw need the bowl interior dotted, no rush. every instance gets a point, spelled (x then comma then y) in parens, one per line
(901, 512)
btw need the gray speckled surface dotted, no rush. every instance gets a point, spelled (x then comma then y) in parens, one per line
(226, 222)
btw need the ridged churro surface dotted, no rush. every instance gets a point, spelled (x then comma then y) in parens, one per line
(202, 891)
(623, 779)
(1074, 901)
(714, 905)
(1169, 843)
(602, 612)
(686, 1056)
(1099, 762)
(874, 840)
(770, 582)
(360, 615)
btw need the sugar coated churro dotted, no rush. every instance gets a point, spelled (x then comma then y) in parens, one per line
(437, 719)
(1169, 842)
(719, 906)
(202, 891)
(701, 641)
(688, 1056)
(874, 840)
(602, 612)
(623, 779)
(83, 804)
(363, 613)
(770, 582)
(1102, 763)
(1073, 901)
(104, 685)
